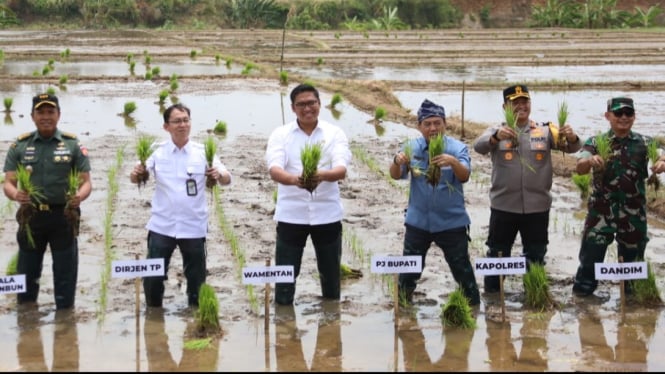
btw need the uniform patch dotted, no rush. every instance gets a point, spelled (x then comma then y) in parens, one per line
(69, 135)
(508, 156)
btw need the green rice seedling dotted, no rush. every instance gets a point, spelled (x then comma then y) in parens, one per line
(336, 99)
(63, 79)
(536, 288)
(248, 68)
(129, 58)
(132, 67)
(155, 71)
(51, 62)
(26, 211)
(193, 53)
(283, 77)
(174, 85)
(319, 61)
(129, 108)
(50, 90)
(207, 315)
(148, 75)
(228, 63)
(347, 272)
(198, 344)
(220, 128)
(379, 113)
(457, 312)
(436, 147)
(163, 94)
(46, 70)
(210, 148)
(603, 146)
(562, 117)
(147, 60)
(66, 53)
(12, 265)
(144, 148)
(310, 155)
(72, 214)
(511, 121)
(645, 291)
(652, 152)
(8, 102)
(583, 183)
(218, 58)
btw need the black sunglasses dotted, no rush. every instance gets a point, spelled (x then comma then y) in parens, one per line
(623, 112)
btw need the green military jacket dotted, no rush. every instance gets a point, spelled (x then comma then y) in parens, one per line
(51, 161)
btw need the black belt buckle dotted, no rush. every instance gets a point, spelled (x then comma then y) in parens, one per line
(44, 207)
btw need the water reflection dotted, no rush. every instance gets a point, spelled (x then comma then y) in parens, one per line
(8, 119)
(159, 354)
(288, 345)
(634, 332)
(455, 355)
(30, 348)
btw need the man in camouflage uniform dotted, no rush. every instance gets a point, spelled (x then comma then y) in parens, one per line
(49, 156)
(617, 205)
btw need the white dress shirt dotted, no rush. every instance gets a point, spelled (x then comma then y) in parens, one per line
(296, 205)
(174, 213)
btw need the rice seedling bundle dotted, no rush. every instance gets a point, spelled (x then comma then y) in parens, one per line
(12, 265)
(562, 117)
(645, 291)
(603, 146)
(207, 316)
(583, 183)
(511, 121)
(26, 211)
(457, 312)
(536, 288)
(210, 148)
(144, 148)
(310, 155)
(435, 148)
(72, 214)
(348, 273)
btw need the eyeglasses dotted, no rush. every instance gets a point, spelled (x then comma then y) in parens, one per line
(180, 121)
(623, 112)
(303, 104)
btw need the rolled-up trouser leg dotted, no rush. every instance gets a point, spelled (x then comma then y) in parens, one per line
(491, 283)
(65, 275)
(585, 279)
(286, 254)
(328, 260)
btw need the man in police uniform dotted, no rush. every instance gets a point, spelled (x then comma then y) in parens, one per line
(50, 156)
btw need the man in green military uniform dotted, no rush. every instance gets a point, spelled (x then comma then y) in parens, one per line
(49, 156)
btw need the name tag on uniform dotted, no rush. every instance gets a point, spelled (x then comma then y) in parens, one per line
(192, 190)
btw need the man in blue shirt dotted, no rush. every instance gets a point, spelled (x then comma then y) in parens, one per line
(436, 211)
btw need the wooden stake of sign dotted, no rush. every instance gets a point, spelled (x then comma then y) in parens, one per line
(503, 304)
(622, 288)
(266, 302)
(396, 297)
(137, 298)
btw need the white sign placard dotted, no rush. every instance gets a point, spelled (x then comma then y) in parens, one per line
(268, 274)
(621, 270)
(149, 267)
(12, 284)
(500, 265)
(397, 264)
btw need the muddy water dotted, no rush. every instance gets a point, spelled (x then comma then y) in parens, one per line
(359, 333)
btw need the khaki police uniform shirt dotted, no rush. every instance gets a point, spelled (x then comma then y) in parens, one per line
(51, 161)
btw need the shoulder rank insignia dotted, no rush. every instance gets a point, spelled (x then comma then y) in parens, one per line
(68, 135)
(24, 136)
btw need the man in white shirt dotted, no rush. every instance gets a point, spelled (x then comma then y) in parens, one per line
(179, 213)
(300, 213)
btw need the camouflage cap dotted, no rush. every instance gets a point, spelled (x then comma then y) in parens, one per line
(617, 103)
